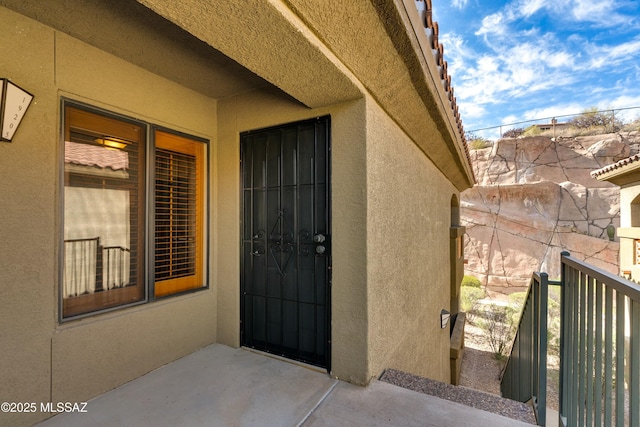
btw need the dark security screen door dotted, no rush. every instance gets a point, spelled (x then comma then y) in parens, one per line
(286, 241)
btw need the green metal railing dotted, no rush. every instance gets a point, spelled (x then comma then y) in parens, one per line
(599, 347)
(524, 376)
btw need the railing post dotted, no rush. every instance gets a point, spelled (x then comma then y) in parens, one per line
(589, 349)
(608, 354)
(562, 391)
(525, 373)
(619, 357)
(598, 379)
(542, 347)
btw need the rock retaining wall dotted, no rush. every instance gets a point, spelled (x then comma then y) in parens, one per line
(535, 198)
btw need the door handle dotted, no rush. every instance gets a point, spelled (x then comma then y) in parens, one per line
(257, 252)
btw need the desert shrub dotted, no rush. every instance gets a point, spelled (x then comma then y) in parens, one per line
(469, 297)
(499, 324)
(472, 281)
(592, 130)
(516, 300)
(532, 130)
(476, 142)
(513, 133)
(479, 143)
(553, 321)
(593, 119)
(634, 125)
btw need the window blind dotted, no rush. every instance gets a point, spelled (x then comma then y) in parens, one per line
(176, 214)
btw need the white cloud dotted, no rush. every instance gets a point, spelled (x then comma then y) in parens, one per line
(494, 24)
(587, 10)
(522, 65)
(602, 13)
(608, 56)
(459, 4)
(630, 48)
(560, 59)
(529, 7)
(471, 110)
(557, 111)
(509, 119)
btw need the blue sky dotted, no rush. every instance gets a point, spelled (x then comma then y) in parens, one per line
(518, 60)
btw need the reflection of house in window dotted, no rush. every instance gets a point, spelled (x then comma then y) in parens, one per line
(99, 212)
(102, 205)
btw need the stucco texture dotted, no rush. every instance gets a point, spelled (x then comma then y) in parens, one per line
(27, 209)
(408, 273)
(41, 359)
(629, 230)
(348, 174)
(393, 174)
(388, 201)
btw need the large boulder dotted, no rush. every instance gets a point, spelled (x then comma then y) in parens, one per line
(536, 198)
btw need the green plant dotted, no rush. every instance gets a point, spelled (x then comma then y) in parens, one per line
(516, 300)
(469, 297)
(478, 143)
(553, 321)
(497, 323)
(532, 130)
(500, 323)
(471, 281)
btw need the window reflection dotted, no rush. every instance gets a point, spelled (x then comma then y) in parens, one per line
(101, 214)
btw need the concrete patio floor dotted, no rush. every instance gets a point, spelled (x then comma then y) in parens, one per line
(223, 386)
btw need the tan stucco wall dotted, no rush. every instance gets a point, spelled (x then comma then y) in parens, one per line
(389, 204)
(390, 213)
(627, 232)
(348, 173)
(408, 271)
(41, 360)
(628, 193)
(28, 220)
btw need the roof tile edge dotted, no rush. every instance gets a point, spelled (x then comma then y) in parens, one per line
(437, 49)
(614, 166)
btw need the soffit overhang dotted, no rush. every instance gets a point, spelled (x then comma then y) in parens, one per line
(323, 52)
(391, 46)
(130, 31)
(307, 50)
(268, 39)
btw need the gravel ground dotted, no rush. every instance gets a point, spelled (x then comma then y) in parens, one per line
(480, 369)
(479, 381)
(473, 398)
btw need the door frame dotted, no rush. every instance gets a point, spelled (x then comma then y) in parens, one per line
(329, 213)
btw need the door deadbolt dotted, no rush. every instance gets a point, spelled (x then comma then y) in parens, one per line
(319, 238)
